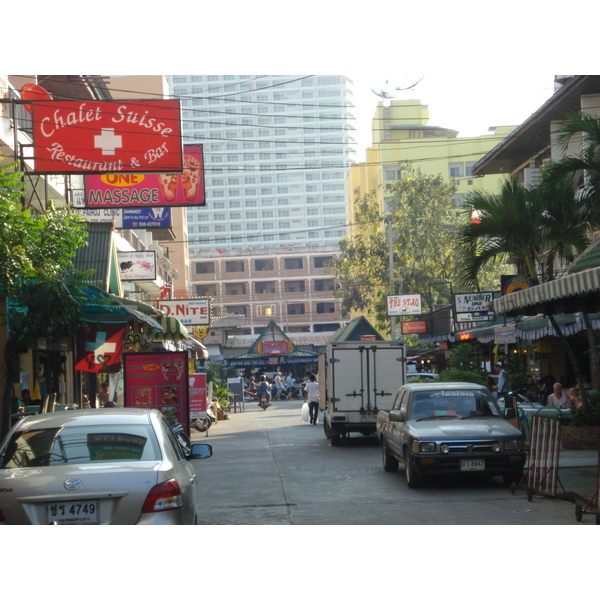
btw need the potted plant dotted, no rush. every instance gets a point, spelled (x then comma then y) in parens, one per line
(221, 394)
(583, 430)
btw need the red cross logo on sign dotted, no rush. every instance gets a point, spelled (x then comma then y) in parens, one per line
(108, 142)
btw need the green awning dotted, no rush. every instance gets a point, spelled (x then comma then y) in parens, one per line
(169, 328)
(102, 306)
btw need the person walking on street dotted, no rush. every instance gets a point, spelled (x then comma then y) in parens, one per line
(278, 386)
(502, 379)
(311, 395)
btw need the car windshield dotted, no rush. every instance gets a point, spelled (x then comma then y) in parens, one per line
(458, 404)
(80, 445)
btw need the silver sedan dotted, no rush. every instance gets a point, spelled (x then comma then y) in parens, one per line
(97, 467)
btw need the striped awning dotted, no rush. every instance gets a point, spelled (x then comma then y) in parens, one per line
(173, 330)
(579, 292)
(197, 346)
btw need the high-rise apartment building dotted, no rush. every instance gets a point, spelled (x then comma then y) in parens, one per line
(277, 150)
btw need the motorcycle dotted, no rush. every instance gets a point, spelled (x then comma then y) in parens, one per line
(291, 393)
(203, 424)
(264, 401)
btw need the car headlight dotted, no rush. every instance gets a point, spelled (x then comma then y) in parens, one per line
(496, 447)
(427, 447)
(445, 448)
(511, 444)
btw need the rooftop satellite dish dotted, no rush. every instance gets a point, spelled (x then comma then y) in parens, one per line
(156, 248)
(385, 92)
(389, 89)
(411, 85)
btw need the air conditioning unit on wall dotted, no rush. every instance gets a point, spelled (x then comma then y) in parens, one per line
(531, 177)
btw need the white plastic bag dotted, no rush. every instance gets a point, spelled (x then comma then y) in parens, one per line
(305, 412)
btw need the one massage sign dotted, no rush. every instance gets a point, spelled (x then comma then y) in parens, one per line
(140, 136)
(150, 190)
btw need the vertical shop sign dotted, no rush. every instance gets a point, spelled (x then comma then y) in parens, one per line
(158, 380)
(197, 395)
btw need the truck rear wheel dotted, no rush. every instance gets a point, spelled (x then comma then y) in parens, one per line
(390, 463)
(326, 428)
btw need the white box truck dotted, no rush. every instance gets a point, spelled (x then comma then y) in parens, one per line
(356, 380)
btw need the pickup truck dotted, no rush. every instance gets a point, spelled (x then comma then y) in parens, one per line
(449, 429)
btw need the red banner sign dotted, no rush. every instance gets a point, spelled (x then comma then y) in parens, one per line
(279, 347)
(107, 136)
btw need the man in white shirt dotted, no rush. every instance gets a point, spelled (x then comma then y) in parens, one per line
(278, 385)
(311, 395)
(502, 379)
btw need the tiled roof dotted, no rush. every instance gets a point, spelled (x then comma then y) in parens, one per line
(227, 322)
(299, 339)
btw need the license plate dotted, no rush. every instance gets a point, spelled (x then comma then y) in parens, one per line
(472, 464)
(73, 513)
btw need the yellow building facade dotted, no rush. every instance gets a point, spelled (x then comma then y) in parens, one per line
(401, 134)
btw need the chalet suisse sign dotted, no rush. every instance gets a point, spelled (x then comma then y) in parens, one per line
(107, 136)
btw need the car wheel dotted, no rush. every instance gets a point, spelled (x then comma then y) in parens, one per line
(390, 463)
(413, 478)
(326, 429)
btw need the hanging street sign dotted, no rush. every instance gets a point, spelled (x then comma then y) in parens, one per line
(404, 305)
(474, 307)
(109, 136)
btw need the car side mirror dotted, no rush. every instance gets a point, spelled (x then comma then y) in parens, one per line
(200, 451)
(397, 416)
(510, 413)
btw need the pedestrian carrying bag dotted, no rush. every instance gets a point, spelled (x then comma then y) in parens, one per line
(305, 412)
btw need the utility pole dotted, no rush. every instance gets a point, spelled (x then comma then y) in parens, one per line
(391, 268)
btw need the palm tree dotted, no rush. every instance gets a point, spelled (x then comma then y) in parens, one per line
(533, 226)
(508, 225)
(585, 168)
(586, 165)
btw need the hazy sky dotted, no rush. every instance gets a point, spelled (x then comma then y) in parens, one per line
(470, 104)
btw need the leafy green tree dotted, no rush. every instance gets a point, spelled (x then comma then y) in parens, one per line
(424, 229)
(37, 281)
(533, 226)
(467, 356)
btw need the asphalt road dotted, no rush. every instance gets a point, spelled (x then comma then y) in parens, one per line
(270, 468)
